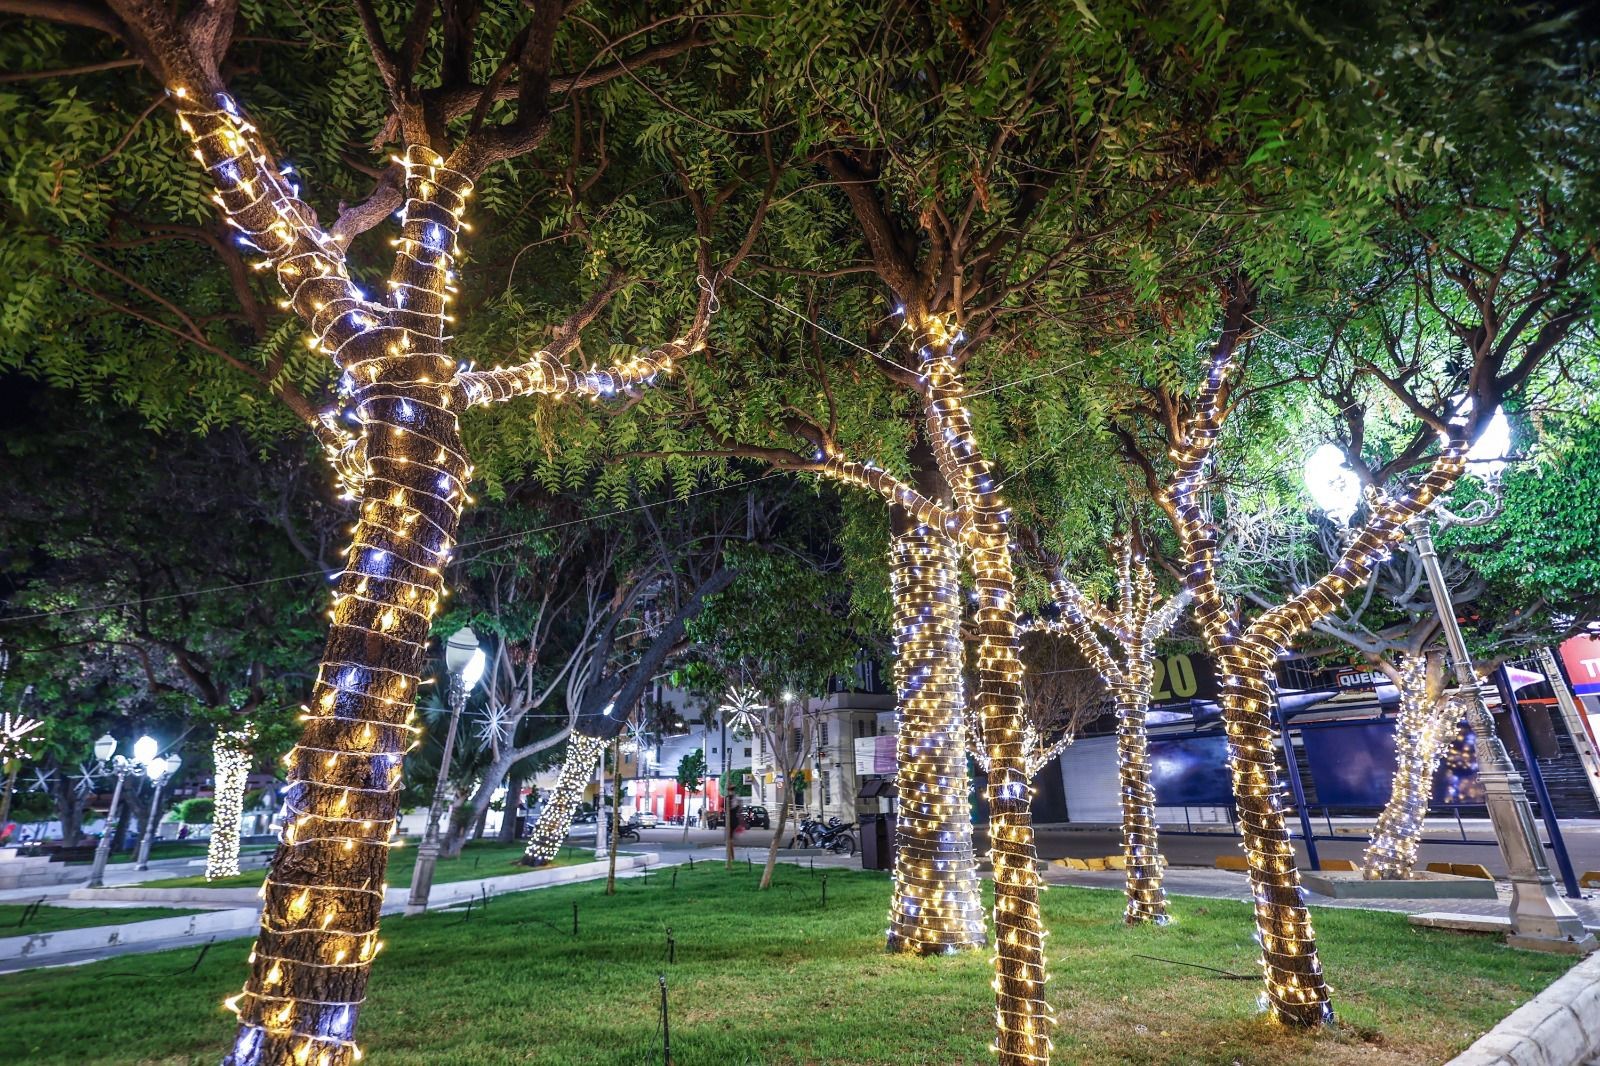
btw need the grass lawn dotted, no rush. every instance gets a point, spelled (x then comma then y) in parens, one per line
(170, 849)
(478, 859)
(779, 980)
(50, 919)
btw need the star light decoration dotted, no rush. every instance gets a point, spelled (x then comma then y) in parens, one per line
(1137, 622)
(936, 907)
(1296, 993)
(231, 756)
(550, 832)
(404, 462)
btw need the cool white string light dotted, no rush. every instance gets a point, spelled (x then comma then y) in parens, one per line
(230, 754)
(1421, 728)
(550, 831)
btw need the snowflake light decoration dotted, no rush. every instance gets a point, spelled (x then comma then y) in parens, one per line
(494, 728)
(13, 731)
(41, 780)
(742, 708)
(87, 777)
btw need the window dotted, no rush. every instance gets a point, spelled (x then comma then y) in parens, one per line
(747, 751)
(827, 788)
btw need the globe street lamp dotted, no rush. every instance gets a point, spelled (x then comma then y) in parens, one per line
(1540, 918)
(160, 770)
(464, 662)
(105, 750)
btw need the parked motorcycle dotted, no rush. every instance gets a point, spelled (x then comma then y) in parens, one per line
(838, 837)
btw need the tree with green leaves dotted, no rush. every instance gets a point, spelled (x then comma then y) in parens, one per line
(401, 456)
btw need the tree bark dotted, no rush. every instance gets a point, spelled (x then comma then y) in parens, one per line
(777, 835)
(1420, 731)
(615, 828)
(936, 906)
(508, 820)
(555, 820)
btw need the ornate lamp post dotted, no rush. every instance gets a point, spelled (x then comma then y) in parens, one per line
(105, 750)
(464, 661)
(160, 770)
(1540, 918)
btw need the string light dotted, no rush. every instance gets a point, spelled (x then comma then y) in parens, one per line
(404, 462)
(550, 831)
(936, 907)
(1023, 1017)
(230, 754)
(1136, 624)
(1420, 731)
(1296, 992)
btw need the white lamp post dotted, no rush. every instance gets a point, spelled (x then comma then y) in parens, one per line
(1540, 918)
(105, 750)
(464, 661)
(160, 770)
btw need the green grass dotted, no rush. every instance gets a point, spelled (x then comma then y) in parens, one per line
(52, 919)
(478, 859)
(170, 849)
(778, 980)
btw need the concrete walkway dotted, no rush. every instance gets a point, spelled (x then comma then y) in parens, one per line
(71, 947)
(1226, 884)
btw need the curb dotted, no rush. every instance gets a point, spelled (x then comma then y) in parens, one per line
(1558, 1027)
(242, 920)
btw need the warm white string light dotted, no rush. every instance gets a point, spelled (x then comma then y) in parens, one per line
(1295, 992)
(14, 742)
(231, 755)
(1023, 1017)
(1138, 621)
(936, 907)
(550, 831)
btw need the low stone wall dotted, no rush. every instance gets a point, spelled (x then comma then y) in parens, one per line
(1558, 1027)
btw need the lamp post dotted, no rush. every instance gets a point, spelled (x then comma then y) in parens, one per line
(160, 770)
(105, 750)
(1540, 918)
(464, 661)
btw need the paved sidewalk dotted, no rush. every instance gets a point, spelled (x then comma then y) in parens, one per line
(1226, 884)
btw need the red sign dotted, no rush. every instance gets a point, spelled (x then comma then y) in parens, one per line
(1581, 656)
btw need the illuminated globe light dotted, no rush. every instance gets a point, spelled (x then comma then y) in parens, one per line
(1487, 454)
(144, 749)
(156, 768)
(1333, 485)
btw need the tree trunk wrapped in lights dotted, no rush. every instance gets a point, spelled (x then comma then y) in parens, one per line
(1295, 990)
(1426, 720)
(408, 470)
(550, 831)
(230, 754)
(1136, 624)
(936, 906)
(1023, 1017)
